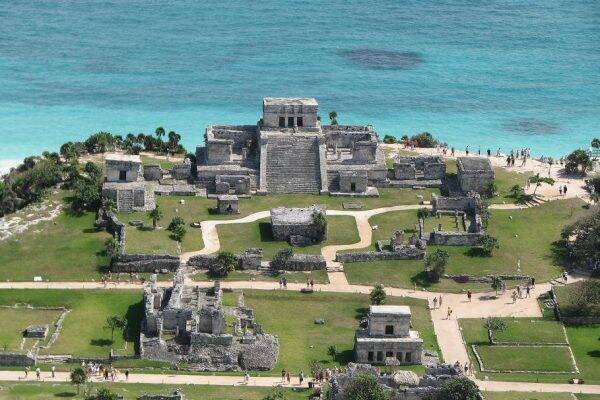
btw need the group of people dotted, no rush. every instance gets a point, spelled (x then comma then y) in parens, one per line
(437, 302)
(310, 283)
(38, 372)
(107, 372)
(468, 368)
(286, 377)
(283, 283)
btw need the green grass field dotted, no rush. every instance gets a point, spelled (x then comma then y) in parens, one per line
(518, 330)
(584, 341)
(83, 331)
(526, 358)
(517, 240)
(291, 315)
(239, 237)
(319, 276)
(165, 164)
(531, 396)
(14, 322)
(67, 249)
(47, 391)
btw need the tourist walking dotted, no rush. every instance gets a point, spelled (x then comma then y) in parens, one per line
(560, 190)
(440, 301)
(565, 190)
(26, 372)
(519, 291)
(246, 377)
(284, 282)
(514, 296)
(287, 377)
(301, 377)
(38, 373)
(527, 291)
(469, 294)
(448, 313)
(467, 150)
(435, 300)
(452, 151)
(312, 283)
(283, 376)
(532, 282)
(53, 369)
(126, 374)
(564, 275)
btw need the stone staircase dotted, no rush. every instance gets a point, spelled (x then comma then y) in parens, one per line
(334, 266)
(125, 200)
(293, 165)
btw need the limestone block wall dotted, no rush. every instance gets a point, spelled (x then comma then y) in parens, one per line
(114, 168)
(358, 178)
(378, 323)
(218, 151)
(344, 136)
(239, 135)
(448, 238)
(379, 350)
(407, 253)
(138, 263)
(475, 182)
(152, 172)
(302, 262)
(467, 204)
(17, 359)
(182, 171)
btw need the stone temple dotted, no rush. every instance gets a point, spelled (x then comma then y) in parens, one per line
(189, 324)
(388, 339)
(289, 151)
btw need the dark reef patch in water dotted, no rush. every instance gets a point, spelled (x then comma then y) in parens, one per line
(531, 127)
(383, 59)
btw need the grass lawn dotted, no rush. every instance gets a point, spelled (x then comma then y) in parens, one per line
(319, 276)
(239, 237)
(529, 396)
(15, 320)
(449, 223)
(165, 164)
(68, 248)
(83, 331)
(517, 240)
(584, 341)
(525, 358)
(291, 315)
(131, 391)
(518, 330)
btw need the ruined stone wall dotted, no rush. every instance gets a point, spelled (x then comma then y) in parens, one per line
(181, 171)
(407, 253)
(138, 263)
(248, 260)
(240, 135)
(466, 204)
(448, 238)
(17, 359)
(152, 172)
(218, 151)
(475, 182)
(344, 136)
(302, 262)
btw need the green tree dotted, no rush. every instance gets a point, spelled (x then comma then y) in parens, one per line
(491, 189)
(497, 283)
(224, 264)
(377, 295)
(68, 151)
(78, 377)
(333, 117)
(173, 142)
(581, 239)
(423, 213)
(109, 205)
(112, 247)
(178, 233)
(424, 139)
(94, 171)
(281, 257)
(114, 322)
(87, 195)
(159, 132)
(596, 143)
(332, 352)
(175, 222)
(389, 139)
(365, 387)
(487, 243)
(156, 214)
(435, 264)
(538, 180)
(458, 389)
(493, 325)
(578, 161)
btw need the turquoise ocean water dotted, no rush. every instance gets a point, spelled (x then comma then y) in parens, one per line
(497, 73)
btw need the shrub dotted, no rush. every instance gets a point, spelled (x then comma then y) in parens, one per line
(578, 162)
(365, 387)
(224, 264)
(487, 243)
(581, 240)
(377, 295)
(389, 139)
(458, 389)
(175, 222)
(435, 264)
(281, 258)
(178, 233)
(423, 213)
(424, 139)
(320, 221)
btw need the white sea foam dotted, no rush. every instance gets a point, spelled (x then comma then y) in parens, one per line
(6, 165)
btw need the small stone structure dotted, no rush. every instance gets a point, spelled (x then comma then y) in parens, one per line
(474, 174)
(355, 184)
(300, 262)
(250, 259)
(466, 210)
(123, 168)
(299, 226)
(289, 151)
(228, 204)
(388, 338)
(139, 263)
(176, 395)
(396, 249)
(421, 171)
(36, 331)
(399, 385)
(153, 172)
(186, 324)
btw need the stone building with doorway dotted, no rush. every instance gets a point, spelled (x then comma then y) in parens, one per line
(475, 174)
(388, 338)
(290, 151)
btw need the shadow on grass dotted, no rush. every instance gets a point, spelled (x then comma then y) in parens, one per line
(266, 233)
(344, 357)
(145, 228)
(421, 279)
(65, 394)
(361, 312)
(594, 353)
(476, 252)
(101, 342)
(134, 317)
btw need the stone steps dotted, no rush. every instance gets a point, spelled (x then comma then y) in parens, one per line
(125, 200)
(293, 165)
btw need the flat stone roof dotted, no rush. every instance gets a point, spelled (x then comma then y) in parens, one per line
(473, 164)
(123, 157)
(227, 197)
(281, 101)
(294, 216)
(401, 310)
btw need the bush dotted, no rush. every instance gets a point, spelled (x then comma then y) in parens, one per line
(458, 389)
(424, 139)
(178, 233)
(435, 264)
(487, 244)
(581, 240)
(281, 258)
(365, 387)
(224, 264)
(389, 139)
(583, 299)
(320, 221)
(175, 222)
(377, 295)
(423, 213)
(578, 162)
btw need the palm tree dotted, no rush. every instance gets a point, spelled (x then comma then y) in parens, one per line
(156, 214)
(333, 117)
(115, 322)
(160, 132)
(538, 180)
